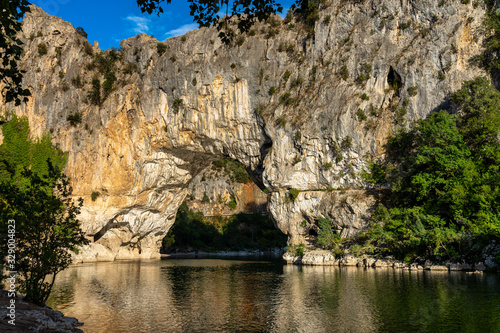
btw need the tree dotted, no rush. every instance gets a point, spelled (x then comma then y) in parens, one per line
(447, 198)
(36, 195)
(46, 229)
(10, 50)
(327, 237)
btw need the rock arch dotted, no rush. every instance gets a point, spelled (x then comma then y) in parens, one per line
(170, 115)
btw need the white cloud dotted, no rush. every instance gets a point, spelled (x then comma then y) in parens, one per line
(141, 23)
(181, 30)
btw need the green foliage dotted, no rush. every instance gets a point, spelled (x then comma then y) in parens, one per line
(447, 197)
(205, 199)
(327, 20)
(490, 58)
(286, 76)
(361, 115)
(105, 63)
(18, 152)
(327, 165)
(240, 40)
(130, 68)
(404, 25)
(294, 193)
(364, 97)
(95, 195)
(161, 48)
(37, 196)
(192, 231)
(42, 49)
(271, 91)
(308, 13)
(364, 74)
(327, 237)
(344, 72)
(296, 82)
(299, 250)
(87, 48)
(77, 81)
(74, 119)
(46, 229)
(400, 115)
(347, 142)
(362, 78)
(298, 136)
(11, 76)
(413, 91)
(94, 94)
(286, 100)
(107, 85)
(281, 121)
(177, 104)
(232, 203)
(376, 173)
(233, 169)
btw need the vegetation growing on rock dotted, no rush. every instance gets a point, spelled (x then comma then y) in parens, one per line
(445, 201)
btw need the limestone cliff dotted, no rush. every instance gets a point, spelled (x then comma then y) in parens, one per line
(288, 107)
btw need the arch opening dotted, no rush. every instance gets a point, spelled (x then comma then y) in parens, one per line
(224, 210)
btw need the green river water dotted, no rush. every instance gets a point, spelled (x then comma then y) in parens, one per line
(215, 295)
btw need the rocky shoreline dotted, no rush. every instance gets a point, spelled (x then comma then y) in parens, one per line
(274, 253)
(33, 318)
(327, 258)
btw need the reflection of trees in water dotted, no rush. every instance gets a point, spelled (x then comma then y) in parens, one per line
(208, 295)
(323, 299)
(64, 292)
(230, 296)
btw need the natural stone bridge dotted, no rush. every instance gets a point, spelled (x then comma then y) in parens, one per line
(285, 106)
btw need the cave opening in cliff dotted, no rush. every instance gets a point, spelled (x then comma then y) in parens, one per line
(224, 211)
(394, 80)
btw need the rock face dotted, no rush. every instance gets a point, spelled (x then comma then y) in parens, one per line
(288, 107)
(33, 318)
(213, 192)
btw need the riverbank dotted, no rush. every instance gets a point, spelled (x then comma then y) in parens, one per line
(274, 253)
(29, 317)
(327, 258)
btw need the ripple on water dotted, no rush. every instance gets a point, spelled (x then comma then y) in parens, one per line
(215, 295)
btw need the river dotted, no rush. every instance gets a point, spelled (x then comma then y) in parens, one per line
(215, 295)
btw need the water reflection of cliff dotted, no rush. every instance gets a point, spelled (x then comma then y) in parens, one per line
(227, 296)
(324, 299)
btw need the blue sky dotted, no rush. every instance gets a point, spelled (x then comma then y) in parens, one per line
(110, 21)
